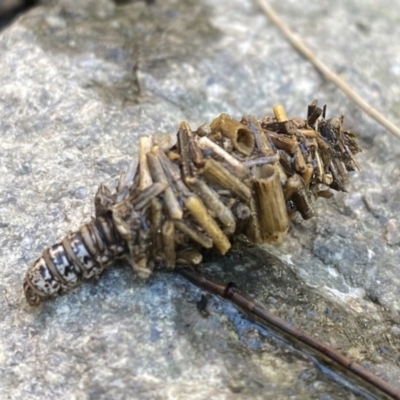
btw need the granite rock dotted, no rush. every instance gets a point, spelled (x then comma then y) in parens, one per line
(80, 83)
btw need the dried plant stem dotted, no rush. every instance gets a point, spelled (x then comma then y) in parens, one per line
(201, 215)
(214, 171)
(272, 212)
(170, 199)
(252, 307)
(145, 145)
(198, 237)
(325, 71)
(212, 201)
(207, 144)
(168, 234)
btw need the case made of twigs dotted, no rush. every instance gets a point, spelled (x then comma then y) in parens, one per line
(227, 178)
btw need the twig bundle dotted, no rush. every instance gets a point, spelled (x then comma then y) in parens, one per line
(230, 177)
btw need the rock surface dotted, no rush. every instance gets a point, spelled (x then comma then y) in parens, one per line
(79, 85)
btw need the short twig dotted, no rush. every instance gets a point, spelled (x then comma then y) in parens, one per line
(299, 46)
(249, 305)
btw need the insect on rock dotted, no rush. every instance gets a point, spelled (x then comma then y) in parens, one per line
(230, 177)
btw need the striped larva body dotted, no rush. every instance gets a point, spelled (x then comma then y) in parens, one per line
(81, 255)
(228, 178)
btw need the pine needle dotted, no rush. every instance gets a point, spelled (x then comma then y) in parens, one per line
(300, 46)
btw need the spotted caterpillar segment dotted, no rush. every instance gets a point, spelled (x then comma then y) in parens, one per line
(82, 254)
(221, 180)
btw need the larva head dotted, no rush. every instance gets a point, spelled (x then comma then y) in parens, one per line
(32, 297)
(39, 283)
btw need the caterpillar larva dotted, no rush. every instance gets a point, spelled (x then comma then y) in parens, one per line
(221, 180)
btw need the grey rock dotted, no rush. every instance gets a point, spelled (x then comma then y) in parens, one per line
(80, 83)
(392, 234)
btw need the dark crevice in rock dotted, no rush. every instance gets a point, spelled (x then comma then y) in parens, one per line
(10, 9)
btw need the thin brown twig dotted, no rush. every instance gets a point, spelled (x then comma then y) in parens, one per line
(249, 305)
(299, 46)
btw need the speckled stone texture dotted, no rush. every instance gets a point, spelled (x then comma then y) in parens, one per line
(80, 82)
